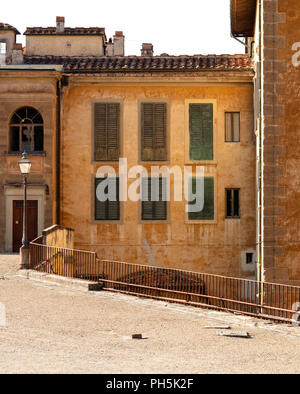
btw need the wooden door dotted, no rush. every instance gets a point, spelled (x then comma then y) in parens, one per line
(32, 222)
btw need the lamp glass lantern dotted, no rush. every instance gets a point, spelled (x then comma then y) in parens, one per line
(25, 165)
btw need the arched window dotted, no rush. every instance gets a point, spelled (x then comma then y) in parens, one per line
(26, 131)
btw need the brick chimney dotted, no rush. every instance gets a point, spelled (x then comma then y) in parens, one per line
(109, 48)
(60, 24)
(147, 49)
(17, 54)
(119, 43)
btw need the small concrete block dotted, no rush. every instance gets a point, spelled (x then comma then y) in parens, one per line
(218, 327)
(234, 334)
(137, 336)
(95, 286)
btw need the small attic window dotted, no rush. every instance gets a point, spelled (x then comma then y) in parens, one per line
(2, 48)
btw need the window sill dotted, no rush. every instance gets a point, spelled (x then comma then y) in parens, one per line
(38, 153)
(105, 222)
(201, 221)
(202, 162)
(165, 221)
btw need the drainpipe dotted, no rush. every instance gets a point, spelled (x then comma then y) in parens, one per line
(58, 134)
(260, 251)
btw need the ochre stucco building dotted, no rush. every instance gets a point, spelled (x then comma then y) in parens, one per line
(98, 105)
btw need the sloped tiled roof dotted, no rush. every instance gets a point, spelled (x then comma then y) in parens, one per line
(6, 26)
(129, 64)
(73, 31)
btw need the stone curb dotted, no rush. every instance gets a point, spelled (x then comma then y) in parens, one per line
(59, 280)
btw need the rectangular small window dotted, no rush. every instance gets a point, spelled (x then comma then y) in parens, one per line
(249, 258)
(232, 127)
(106, 131)
(2, 48)
(154, 131)
(232, 203)
(107, 201)
(205, 212)
(201, 132)
(154, 198)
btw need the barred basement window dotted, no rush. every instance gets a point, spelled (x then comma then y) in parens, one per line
(232, 127)
(106, 131)
(208, 212)
(154, 198)
(154, 131)
(110, 208)
(233, 203)
(201, 131)
(26, 131)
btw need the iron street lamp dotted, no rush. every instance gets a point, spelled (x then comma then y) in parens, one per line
(24, 165)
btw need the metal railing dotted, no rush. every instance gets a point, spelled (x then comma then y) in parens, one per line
(249, 297)
(64, 262)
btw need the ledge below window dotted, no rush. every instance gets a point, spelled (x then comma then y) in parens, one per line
(36, 153)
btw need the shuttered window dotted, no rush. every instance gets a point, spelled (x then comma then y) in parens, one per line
(154, 196)
(232, 127)
(153, 129)
(232, 203)
(201, 131)
(109, 209)
(207, 212)
(107, 131)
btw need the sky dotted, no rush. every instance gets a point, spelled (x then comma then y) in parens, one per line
(175, 27)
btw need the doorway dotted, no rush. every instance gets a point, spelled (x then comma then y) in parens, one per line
(32, 222)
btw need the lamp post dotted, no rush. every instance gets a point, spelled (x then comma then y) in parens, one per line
(25, 165)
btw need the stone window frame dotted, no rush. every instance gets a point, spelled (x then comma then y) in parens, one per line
(32, 125)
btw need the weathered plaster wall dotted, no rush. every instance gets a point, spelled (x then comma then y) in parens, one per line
(281, 136)
(18, 89)
(10, 38)
(68, 45)
(58, 236)
(215, 247)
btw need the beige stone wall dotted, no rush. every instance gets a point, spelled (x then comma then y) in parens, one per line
(18, 89)
(64, 45)
(217, 247)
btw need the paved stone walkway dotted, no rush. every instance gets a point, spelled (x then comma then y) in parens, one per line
(51, 329)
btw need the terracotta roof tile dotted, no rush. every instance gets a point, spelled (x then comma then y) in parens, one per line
(140, 63)
(74, 31)
(6, 26)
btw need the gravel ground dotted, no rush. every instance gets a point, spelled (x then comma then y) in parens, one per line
(51, 329)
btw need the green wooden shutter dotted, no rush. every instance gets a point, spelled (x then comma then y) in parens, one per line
(201, 131)
(208, 209)
(154, 205)
(147, 206)
(100, 206)
(107, 210)
(113, 131)
(160, 206)
(154, 131)
(107, 131)
(160, 151)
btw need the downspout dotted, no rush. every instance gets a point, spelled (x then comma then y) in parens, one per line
(260, 151)
(58, 138)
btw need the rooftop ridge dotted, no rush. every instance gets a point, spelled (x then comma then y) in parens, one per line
(133, 63)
